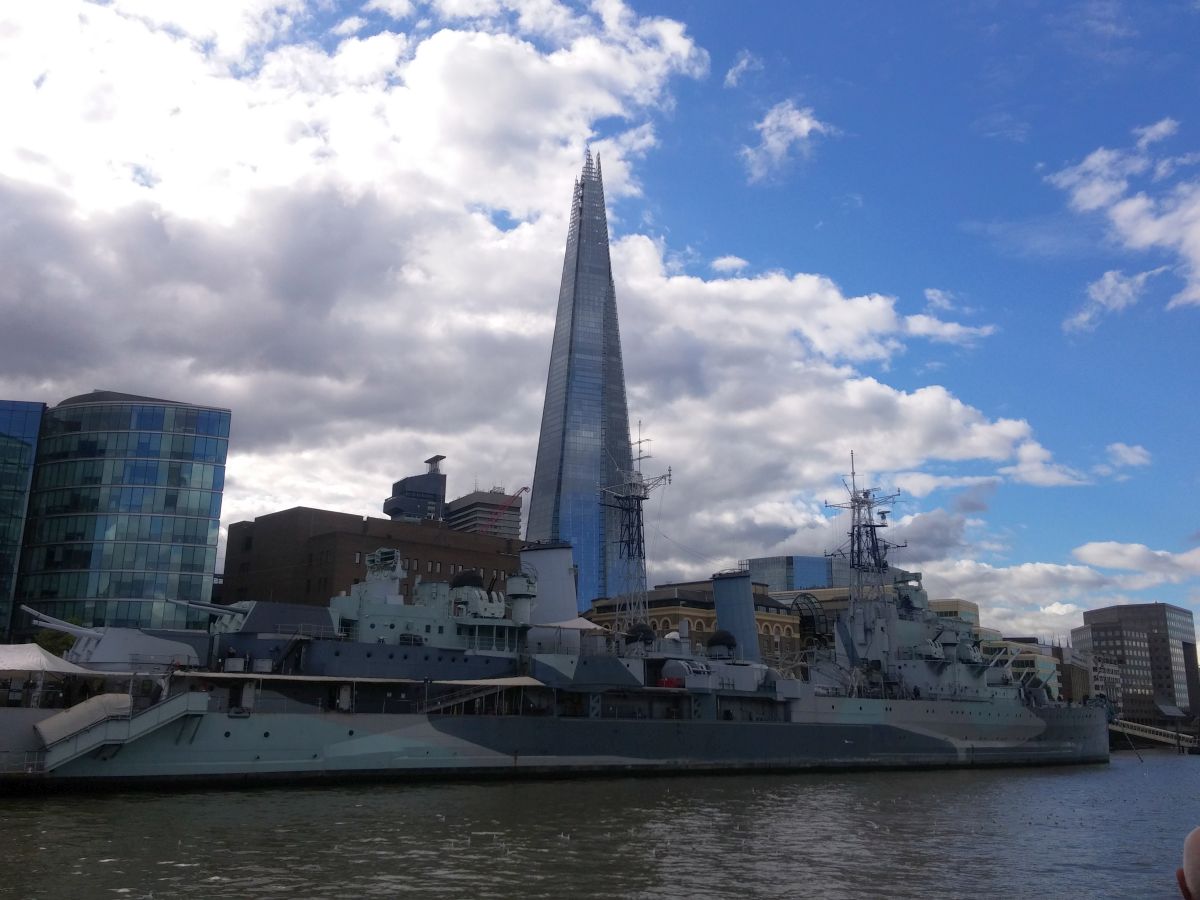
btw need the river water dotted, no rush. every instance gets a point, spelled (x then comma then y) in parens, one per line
(1080, 832)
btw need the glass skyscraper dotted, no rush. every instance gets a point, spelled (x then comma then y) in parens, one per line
(124, 510)
(20, 424)
(584, 442)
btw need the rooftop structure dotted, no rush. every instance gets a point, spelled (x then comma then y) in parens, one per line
(487, 512)
(419, 496)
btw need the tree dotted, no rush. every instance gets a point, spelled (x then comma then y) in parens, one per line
(56, 642)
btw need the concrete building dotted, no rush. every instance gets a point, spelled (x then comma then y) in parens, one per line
(583, 446)
(305, 555)
(419, 497)
(123, 509)
(1074, 673)
(1033, 663)
(1155, 644)
(487, 512)
(954, 608)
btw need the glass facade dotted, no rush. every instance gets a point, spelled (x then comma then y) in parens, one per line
(124, 510)
(792, 573)
(584, 441)
(20, 424)
(1161, 651)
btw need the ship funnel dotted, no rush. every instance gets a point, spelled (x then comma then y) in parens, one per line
(734, 600)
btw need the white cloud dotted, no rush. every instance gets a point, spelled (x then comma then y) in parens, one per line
(728, 264)
(922, 484)
(349, 26)
(1155, 564)
(1113, 292)
(1034, 466)
(783, 130)
(1163, 215)
(231, 30)
(1028, 598)
(397, 9)
(939, 299)
(1002, 124)
(1128, 455)
(937, 330)
(1164, 128)
(746, 62)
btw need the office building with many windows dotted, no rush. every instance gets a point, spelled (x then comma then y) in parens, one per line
(583, 446)
(20, 424)
(486, 512)
(123, 512)
(1159, 640)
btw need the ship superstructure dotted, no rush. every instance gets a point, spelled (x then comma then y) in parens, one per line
(889, 644)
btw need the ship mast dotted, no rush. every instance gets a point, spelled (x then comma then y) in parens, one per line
(865, 549)
(628, 498)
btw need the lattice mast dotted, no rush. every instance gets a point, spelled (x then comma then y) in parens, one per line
(628, 497)
(865, 549)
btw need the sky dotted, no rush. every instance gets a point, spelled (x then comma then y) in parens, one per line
(961, 240)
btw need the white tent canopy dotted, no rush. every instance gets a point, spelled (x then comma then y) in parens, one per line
(30, 659)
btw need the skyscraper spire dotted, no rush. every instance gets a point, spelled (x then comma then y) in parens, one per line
(584, 441)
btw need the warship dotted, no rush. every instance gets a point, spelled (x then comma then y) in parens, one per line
(466, 680)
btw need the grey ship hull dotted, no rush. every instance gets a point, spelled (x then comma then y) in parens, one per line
(214, 747)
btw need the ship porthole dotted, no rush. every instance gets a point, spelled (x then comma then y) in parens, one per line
(227, 734)
(351, 732)
(266, 734)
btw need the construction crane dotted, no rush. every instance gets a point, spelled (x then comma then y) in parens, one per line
(490, 524)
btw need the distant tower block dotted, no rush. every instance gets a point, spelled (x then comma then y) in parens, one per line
(584, 441)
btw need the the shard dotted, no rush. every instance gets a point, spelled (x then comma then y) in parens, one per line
(584, 443)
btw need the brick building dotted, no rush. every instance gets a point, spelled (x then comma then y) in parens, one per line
(305, 555)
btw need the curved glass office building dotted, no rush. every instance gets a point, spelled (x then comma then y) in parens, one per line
(124, 510)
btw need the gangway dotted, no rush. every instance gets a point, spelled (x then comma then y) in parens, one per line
(1150, 733)
(105, 720)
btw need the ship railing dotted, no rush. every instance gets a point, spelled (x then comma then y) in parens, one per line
(22, 762)
(159, 659)
(121, 727)
(311, 630)
(274, 705)
(1149, 732)
(475, 692)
